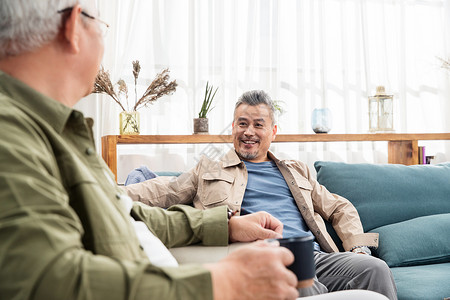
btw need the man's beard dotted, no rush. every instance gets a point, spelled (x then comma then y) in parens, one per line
(247, 155)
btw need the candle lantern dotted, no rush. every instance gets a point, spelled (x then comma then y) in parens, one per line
(381, 116)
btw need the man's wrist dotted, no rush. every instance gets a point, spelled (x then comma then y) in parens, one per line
(229, 216)
(230, 213)
(361, 249)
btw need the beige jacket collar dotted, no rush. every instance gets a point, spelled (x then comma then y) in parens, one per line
(231, 159)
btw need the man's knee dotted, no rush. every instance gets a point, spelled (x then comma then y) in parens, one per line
(316, 289)
(378, 277)
(378, 268)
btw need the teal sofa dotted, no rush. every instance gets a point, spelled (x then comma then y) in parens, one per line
(409, 206)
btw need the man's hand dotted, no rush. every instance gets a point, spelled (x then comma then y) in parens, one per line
(252, 227)
(255, 271)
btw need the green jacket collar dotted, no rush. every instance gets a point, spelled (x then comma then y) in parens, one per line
(55, 113)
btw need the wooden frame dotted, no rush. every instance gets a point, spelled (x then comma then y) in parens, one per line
(402, 148)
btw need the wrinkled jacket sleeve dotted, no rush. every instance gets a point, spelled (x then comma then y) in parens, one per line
(41, 251)
(164, 191)
(182, 225)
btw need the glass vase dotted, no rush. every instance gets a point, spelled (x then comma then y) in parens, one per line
(321, 120)
(129, 122)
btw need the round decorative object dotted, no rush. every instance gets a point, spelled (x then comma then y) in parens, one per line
(321, 120)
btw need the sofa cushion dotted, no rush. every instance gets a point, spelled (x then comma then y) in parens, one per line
(428, 282)
(423, 240)
(388, 193)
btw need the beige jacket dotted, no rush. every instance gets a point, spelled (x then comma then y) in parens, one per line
(215, 183)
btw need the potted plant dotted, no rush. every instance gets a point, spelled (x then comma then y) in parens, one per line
(129, 117)
(201, 123)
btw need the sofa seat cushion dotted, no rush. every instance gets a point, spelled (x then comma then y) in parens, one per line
(423, 240)
(388, 193)
(430, 282)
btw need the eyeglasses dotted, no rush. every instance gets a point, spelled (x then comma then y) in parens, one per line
(103, 25)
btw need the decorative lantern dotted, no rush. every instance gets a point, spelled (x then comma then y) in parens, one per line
(381, 116)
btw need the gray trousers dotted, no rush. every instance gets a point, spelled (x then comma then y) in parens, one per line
(349, 271)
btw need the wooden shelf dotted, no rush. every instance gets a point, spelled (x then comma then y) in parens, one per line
(402, 147)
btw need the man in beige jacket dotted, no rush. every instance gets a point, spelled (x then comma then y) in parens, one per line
(249, 178)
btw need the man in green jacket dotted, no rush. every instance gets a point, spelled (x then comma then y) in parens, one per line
(66, 230)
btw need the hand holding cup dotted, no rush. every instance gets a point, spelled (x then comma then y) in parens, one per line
(303, 265)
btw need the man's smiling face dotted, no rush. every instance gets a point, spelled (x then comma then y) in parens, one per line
(253, 132)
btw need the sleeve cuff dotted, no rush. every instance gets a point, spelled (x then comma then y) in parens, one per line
(364, 239)
(189, 282)
(215, 227)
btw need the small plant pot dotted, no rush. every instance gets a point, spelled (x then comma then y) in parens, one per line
(201, 126)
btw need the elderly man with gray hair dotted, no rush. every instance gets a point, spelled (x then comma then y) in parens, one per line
(250, 178)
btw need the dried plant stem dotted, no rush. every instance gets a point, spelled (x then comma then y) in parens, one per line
(123, 90)
(159, 87)
(445, 63)
(136, 71)
(103, 85)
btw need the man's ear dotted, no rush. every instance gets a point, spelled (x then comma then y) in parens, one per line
(274, 132)
(72, 29)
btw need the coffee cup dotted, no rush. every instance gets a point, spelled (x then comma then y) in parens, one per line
(303, 266)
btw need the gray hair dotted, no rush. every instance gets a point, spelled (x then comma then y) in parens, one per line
(254, 98)
(28, 25)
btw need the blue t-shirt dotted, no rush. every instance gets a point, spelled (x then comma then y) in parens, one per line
(267, 190)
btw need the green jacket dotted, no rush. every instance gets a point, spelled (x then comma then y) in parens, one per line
(63, 234)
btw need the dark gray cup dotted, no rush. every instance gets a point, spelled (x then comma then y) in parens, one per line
(303, 265)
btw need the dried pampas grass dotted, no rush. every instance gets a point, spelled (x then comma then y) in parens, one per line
(159, 87)
(445, 63)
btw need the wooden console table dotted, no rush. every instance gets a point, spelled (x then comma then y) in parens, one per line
(402, 148)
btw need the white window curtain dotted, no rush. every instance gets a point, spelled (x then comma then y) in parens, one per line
(306, 53)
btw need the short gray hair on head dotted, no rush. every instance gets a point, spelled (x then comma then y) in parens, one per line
(257, 97)
(28, 25)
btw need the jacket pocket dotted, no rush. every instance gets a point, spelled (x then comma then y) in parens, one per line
(215, 188)
(305, 189)
(302, 182)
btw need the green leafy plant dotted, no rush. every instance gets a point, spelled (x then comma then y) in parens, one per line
(207, 101)
(278, 105)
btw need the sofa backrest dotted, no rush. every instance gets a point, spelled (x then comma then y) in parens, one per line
(388, 193)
